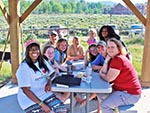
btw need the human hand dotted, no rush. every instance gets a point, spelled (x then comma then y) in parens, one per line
(45, 108)
(48, 87)
(107, 58)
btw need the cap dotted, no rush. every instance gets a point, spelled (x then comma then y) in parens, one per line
(29, 42)
(102, 43)
(53, 33)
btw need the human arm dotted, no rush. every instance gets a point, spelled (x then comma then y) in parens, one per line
(35, 99)
(86, 57)
(58, 66)
(108, 74)
(97, 63)
(48, 86)
(96, 67)
(75, 54)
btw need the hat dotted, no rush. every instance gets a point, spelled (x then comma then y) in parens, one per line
(53, 33)
(102, 43)
(29, 42)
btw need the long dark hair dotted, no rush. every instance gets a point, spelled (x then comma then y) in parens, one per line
(40, 59)
(111, 33)
(92, 57)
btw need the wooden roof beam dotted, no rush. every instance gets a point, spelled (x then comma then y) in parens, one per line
(29, 10)
(135, 11)
(4, 11)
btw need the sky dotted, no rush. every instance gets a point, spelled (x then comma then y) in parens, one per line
(119, 1)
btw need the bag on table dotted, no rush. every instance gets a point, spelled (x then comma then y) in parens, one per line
(67, 80)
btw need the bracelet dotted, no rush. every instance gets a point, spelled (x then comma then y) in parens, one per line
(40, 103)
(105, 62)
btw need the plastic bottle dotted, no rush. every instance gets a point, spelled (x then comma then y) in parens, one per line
(69, 67)
(89, 70)
(88, 73)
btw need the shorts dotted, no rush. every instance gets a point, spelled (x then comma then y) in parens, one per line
(52, 102)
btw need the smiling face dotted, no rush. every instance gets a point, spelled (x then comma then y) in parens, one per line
(93, 50)
(112, 49)
(53, 39)
(49, 53)
(63, 46)
(75, 42)
(101, 49)
(105, 33)
(34, 53)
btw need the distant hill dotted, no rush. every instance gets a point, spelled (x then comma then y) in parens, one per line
(110, 3)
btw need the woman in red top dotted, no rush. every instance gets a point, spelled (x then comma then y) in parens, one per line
(118, 70)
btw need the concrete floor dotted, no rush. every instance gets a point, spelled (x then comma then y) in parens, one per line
(9, 103)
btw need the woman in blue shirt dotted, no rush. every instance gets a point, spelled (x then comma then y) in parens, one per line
(61, 50)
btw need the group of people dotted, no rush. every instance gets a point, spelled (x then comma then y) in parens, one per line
(109, 57)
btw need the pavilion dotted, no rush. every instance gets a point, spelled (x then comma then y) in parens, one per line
(14, 20)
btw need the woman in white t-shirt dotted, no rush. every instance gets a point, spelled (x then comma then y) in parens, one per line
(34, 81)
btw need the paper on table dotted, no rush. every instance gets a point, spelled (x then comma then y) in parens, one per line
(61, 85)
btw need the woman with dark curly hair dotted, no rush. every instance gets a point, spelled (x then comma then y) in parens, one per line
(106, 32)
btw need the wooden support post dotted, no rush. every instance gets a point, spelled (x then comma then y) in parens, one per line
(14, 8)
(145, 78)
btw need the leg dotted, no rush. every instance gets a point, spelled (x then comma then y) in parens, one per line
(92, 96)
(116, 99)
(77, 98)
(62, 96)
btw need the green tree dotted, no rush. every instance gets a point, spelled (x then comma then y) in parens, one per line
(24, 5)
(73, 5)
(57, 7)
(79, 7)
(67, 8)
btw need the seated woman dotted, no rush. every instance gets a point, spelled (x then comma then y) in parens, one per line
(75, 51)
(120, 71)
(99, 61)
(49, 54)
(34, 81)
(61, 51)
(93, 53)
(90, 54)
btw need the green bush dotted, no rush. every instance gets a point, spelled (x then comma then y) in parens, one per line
(5, 72)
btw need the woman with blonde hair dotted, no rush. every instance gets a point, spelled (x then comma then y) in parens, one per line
(92, 36)
(61, 50)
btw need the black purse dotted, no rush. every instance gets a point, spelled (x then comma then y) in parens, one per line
(67, 80)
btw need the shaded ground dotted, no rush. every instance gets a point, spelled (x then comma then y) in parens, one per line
(9, 103)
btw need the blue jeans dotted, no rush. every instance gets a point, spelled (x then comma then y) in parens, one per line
(115, 99)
